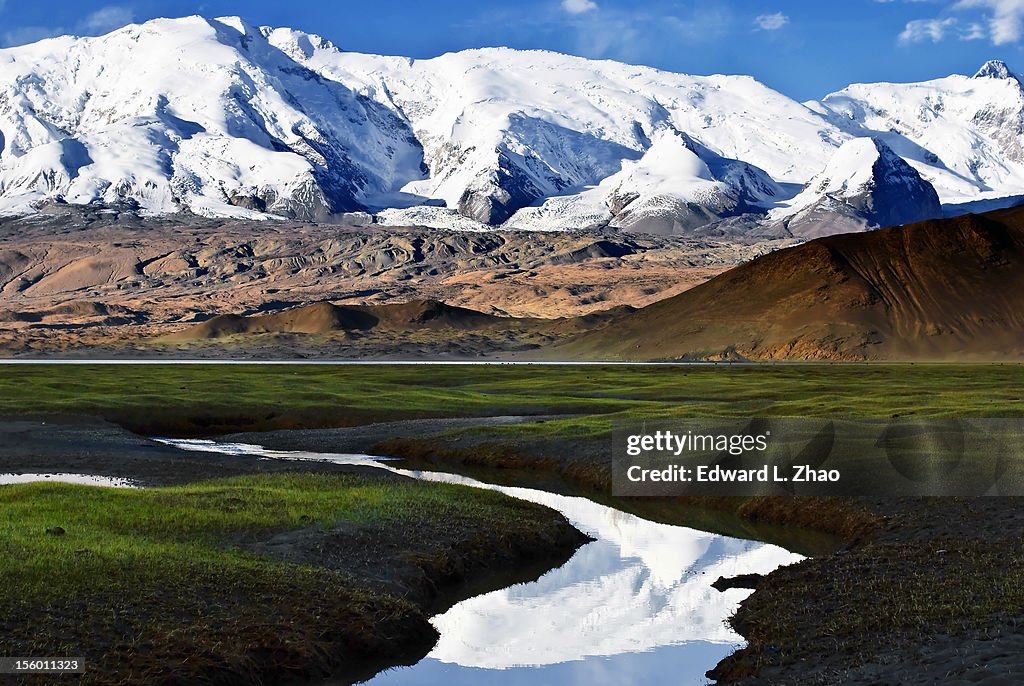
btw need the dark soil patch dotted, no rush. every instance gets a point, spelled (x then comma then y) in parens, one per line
(83, 445)
(935, 596)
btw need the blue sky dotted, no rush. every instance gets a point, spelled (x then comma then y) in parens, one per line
(804, 49)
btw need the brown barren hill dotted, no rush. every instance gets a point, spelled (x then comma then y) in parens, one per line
(949, 289)
(322, 318)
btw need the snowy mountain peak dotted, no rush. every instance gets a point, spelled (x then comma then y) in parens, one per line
(864, 185)
(995, 69)
(236, 23)
(855, 161)
(857, 166)
(223, 118)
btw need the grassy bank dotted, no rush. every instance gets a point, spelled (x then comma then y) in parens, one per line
(255, 578)
(934, 596)
(909, 576)
(583, 467)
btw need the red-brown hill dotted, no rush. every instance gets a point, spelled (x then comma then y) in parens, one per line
(949, 289)
(324, 317)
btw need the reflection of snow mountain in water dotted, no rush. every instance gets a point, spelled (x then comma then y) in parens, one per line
(640, 586)
(635, 606)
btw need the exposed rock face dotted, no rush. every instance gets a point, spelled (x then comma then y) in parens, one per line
(248, 202)
(496, 197)
(995, 69)
(865, 186)
(896, 194)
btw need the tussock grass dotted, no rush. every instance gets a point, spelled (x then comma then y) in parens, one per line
(885, 597)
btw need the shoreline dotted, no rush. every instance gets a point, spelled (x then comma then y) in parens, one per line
(908, 573)
(931, 596)
(217, 578)
(554, 435)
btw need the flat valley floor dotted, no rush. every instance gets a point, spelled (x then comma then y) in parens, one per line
(937, 582)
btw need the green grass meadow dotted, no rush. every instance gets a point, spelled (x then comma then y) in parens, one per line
(156, 585)
(202, 399)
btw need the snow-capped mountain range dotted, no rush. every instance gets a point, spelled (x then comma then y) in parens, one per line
(221, 118)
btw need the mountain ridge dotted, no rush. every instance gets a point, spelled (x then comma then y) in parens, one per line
(864, 186)
(222, 118)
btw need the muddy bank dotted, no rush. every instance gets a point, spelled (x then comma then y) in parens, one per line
(574, 467)
(85, 445)
(454, 445)
(362, 439)
(934, 596)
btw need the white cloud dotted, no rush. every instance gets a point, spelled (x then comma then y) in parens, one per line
(106, 19)
(29, 34)
(921, 30)
(101, 21)
(771, 22)
(1006, 23)
(579, 6)
(973, 31)
(639, 36)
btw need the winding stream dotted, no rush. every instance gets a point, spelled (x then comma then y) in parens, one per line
(636, 606)
(81, 479)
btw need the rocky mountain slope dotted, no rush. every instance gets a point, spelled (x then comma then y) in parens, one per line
(943, 289)
(74, 277)
(223, 119)
(948, 289)
(865, 185)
